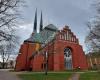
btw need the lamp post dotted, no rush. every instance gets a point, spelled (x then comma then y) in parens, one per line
(46, 65)
(46, 57)
(47, 54)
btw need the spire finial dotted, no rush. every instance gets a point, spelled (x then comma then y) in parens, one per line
(41, 23)
(35, 22)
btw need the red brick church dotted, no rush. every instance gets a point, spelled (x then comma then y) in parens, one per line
(59, 49)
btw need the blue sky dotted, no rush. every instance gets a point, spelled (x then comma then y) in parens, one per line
(74, 13)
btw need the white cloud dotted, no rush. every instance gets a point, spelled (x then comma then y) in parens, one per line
(24, 31)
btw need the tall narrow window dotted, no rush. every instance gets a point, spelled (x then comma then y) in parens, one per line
(72, 39)
(60, 36)
(69, 37)
(65, 37)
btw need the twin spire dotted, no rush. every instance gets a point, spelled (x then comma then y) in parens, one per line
(35, 23)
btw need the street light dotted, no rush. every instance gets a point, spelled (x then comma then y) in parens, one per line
(47, 52)
(46, 66)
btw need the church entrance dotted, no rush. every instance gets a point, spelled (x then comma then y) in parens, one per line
(68, 58)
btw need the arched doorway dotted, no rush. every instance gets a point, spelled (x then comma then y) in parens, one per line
(68, 58)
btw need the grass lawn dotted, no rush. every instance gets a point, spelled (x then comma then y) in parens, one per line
(42, 76)
(90, 76)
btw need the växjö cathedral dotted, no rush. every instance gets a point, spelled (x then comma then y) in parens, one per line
(59, 49)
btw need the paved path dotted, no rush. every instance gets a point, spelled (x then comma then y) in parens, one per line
(75, 76)
(6, 75)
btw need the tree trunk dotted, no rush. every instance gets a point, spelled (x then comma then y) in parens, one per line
(3, 63)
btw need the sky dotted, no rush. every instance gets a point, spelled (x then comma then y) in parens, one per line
(74, 13)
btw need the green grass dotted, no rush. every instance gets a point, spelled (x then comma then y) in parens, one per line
(42, 76)
(90, 76)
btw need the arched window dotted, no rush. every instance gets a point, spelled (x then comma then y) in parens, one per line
(67, 52)
(68, 58)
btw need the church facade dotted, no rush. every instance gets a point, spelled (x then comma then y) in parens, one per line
(58, 49)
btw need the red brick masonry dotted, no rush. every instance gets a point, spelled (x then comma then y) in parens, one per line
(63, 39)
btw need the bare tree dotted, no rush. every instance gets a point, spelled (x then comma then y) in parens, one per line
(93, 37)
(9, 16)
(8, 48)
(11, 64)
(9, 12)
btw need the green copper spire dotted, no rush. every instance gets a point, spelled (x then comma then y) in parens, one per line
(35, 22)
(41, 23)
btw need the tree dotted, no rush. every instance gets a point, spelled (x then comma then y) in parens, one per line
(9, 14)
(93, 37)
(8, 48)
(11, 64)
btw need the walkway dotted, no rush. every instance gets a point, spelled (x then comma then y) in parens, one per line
(6, 75)
(75, 76)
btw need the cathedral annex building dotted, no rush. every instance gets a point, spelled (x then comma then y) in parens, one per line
(59, 49)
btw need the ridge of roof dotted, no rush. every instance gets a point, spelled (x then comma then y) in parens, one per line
(51, 26)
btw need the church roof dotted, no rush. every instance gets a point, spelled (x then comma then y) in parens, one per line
(52, 27)
(45, 36)
(36, 37)
(48, 33)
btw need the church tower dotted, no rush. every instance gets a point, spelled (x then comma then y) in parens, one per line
(41, 23)
(35, 23)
